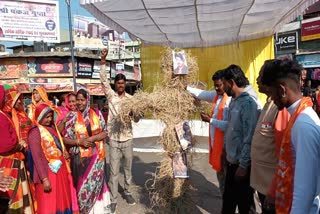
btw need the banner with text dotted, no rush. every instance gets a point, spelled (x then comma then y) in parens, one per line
(49, 67)
(310, 29)
(84, 68)
(26, 20)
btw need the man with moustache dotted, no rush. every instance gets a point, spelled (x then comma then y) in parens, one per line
(265, 148)
(217, 120)
(298, 174)
(120, 135)
(242, 119)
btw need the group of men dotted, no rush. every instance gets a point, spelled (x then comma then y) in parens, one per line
(274, 150)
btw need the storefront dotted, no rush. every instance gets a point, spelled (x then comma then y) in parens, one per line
(53, 71)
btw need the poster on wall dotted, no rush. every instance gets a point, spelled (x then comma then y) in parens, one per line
(12, 68)
(27, 20)
(84, 68)
(49, 66)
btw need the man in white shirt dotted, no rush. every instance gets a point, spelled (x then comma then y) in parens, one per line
(120, 136)
(220, 101)
(298, 174)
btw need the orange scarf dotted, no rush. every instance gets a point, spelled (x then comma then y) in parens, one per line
(44, 97)
(49, 147)
(22, 123)
(215, 152)
(285, 172)
(81, 132)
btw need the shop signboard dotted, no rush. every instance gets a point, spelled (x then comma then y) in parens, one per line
(310, 29)
(49, 67)
(95, 89)
(286, 42)
(29, 20)
(84, 68)
(97, 69)
(52, 84)
(57, 87)
(12, 68)
(309, 60)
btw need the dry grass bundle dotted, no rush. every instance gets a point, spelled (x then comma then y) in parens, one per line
(172, 104)
(167, 194)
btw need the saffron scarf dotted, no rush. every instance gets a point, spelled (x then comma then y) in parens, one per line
(21, 122)
(44, 97)
(52, 147)
(215, 151)
(285, 171)
(82, 132)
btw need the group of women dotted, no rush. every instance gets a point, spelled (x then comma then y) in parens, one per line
(52, 160)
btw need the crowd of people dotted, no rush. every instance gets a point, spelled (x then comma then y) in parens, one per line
(274, 151)
(52, 159)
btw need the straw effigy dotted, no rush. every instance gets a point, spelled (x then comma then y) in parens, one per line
(172, 104)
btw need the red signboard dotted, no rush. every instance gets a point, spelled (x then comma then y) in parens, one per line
(310, 30)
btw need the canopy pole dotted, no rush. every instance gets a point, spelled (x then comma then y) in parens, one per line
(71, 47)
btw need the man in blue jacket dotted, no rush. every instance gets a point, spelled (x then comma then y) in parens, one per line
(242, 119)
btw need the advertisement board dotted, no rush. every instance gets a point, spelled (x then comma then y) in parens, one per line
(84, 68)
(97, 68)
(95, 89)
(310, 29)
(12, 68)
(309, 60)
(26, 20)
(49, 66)
(286, 42)
(52, 84)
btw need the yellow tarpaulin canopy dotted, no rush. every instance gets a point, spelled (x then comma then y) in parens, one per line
(250, 55)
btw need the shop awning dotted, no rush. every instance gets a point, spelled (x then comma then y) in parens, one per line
(196, 23)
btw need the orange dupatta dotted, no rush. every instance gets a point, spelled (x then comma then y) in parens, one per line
(81, 132)
(49, 147)
(284, 176)
(215, 152)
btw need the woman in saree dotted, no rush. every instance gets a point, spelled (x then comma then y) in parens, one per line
(39, 95)
(47, 164)
(70, 106)
(86, 131)
(12, 157)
